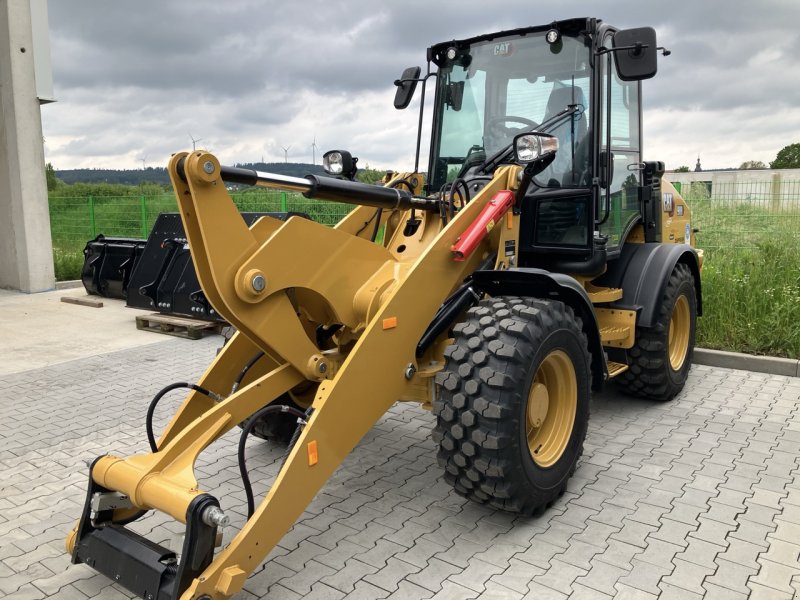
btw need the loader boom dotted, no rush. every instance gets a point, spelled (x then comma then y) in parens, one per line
(376, 298)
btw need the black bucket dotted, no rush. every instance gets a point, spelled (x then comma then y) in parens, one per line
(165, 279)
(108, 264)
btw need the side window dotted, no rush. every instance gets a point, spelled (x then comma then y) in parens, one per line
(622, 122)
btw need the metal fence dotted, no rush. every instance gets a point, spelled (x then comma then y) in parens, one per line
(74, 221)
(744, 214)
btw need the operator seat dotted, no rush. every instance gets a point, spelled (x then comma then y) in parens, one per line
(566, 170)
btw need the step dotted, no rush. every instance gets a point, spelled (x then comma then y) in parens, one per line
(599, 295)
(610, 333)
(615, 368)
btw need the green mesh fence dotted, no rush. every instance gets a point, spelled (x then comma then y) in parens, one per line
(745, 214)
(74, 221)
(742, 215)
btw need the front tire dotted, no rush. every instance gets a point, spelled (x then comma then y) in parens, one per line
(662, 355)
(513, 407)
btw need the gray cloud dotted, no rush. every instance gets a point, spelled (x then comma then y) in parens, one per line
(248, 76)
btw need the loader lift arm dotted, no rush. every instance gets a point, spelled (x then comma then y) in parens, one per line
(373, 292)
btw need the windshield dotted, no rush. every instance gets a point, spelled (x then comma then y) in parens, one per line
(495, 89)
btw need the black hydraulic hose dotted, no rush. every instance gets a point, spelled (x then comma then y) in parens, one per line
(376, 228)
(248, 427)
(459, 182)
(148, 422)
(244, 371)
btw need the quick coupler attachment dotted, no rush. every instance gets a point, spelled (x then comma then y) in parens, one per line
(140, 566)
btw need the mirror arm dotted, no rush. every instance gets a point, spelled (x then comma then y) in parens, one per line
(637, 48)
(424, 81)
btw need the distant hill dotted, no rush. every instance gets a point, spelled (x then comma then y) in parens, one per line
(159, 175)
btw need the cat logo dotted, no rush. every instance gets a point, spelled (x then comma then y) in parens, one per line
(503, 49)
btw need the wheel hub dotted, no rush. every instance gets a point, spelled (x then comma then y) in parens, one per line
(550, 413)
(538, 403)
(679, 326)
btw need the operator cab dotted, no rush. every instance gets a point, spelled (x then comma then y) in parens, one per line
(577, 80)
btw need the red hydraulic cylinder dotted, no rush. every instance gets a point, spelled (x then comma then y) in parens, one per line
(482, 225)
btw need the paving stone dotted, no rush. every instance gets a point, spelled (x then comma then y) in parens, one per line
(645, 577)
(715, 592)
(540, 554)
(775, 575)
(762, 592)
(495, 591)
(602, 577)
(731, 576)
(433, 576)
(453, 591)
(560, 576)
(618, 554)
(345, 579)
(476, 574)
(537, 591)
(388, 577)
(517, 576)
(626, 592)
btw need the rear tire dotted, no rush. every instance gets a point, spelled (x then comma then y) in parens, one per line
(513, 407)
(662, 355)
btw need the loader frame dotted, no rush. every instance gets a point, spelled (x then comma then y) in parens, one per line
(378, 300)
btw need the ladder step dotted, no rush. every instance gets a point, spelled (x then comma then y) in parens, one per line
(600, 294)
(611, 333)
(615, 368)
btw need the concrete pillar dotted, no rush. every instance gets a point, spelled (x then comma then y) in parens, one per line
(26, 249)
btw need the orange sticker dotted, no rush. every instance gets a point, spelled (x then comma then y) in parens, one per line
(313, 457)
(390, 323)
(509, 220)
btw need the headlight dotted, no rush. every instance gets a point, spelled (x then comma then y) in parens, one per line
(338, 163)
(530, 147)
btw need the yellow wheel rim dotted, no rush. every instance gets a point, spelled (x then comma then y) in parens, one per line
(550, 412)
(679, 326)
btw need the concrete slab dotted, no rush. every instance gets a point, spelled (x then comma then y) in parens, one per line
(39, 330)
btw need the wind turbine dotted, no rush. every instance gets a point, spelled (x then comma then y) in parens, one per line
(314, 151)
(194, 142)
(286, 154)
(143, 159)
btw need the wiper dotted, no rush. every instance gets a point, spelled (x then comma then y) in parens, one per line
(505, 153)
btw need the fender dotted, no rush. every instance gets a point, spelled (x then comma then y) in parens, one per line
(538, 283)
(642, 271)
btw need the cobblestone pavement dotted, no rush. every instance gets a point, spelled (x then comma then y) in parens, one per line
(696, 497)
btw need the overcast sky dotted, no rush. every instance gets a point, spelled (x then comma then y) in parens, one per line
(135, 81)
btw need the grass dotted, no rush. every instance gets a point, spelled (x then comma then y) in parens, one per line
(751, 277)
(751, 300)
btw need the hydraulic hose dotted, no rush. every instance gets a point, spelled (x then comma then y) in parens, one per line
(248, 427)
(148, 422)
(244, 371)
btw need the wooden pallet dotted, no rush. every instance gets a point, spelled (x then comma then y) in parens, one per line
(191, 329)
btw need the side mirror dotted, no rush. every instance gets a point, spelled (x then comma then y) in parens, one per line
(406, 86)
(636, 54)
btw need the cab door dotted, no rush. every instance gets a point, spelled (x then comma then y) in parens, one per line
(620, 148)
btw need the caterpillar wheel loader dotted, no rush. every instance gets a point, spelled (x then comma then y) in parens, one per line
(538, 258)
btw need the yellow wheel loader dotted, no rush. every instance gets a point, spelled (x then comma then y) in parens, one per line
(537, 258)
